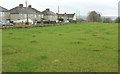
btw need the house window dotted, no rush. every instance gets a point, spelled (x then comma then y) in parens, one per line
(32, 15)
(2, 14)
(21, 15)
(55, 16)
(35, 15)
(42, 16)
(39, 16)
(25, 15)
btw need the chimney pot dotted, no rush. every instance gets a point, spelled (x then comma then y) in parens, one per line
(47, 9)
(20, 5)
(29, 6)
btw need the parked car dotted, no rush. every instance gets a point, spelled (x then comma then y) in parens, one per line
(66, 21)
(24, 20)
(1, 24)
(5, 23)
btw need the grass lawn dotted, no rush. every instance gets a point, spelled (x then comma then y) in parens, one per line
(90, 47)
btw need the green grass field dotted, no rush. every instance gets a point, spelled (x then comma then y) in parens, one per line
(90, 47)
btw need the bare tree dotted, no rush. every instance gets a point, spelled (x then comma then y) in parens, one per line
(94, 17)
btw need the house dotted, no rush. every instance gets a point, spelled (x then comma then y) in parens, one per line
(49, 15)
(67, 17)
(20, 12)
(4, 14)
(39, 15)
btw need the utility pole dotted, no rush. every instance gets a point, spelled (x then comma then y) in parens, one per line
(79, 14)
(58, 14)
(58, 9)
(27, 11)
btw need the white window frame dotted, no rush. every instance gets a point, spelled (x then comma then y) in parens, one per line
(31, 15)
(35, 16)
(21, 15)
(39, 16)
(42, 15)
(25, 15)
(2, 14)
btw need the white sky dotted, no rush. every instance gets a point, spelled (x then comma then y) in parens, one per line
(105, 7)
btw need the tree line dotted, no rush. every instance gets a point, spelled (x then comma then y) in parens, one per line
(93, 16)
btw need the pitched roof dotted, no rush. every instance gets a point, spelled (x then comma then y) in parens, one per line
(68, 15)
(3, 9)
(48, 12)
(37, 11)
(22, 10)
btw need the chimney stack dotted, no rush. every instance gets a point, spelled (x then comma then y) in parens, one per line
(20, 5)
(47, 9)
(29, 6)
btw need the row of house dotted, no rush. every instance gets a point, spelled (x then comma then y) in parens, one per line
(20, 12)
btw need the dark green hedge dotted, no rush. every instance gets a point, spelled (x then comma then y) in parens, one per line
(49, 22)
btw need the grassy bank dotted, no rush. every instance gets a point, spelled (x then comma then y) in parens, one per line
(90, 47)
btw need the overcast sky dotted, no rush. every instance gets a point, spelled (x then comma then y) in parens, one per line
(105, 7)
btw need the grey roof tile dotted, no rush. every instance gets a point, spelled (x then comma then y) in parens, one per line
(68, 15)
(3, 9)
(48, 12)
(22, 10)
(37, 11)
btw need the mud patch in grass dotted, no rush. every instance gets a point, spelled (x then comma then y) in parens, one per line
(10, 33)
(10, 51)
(33, 41)
(95, 50)
(33, 35)
(76, 42)
(43, 57)
(60, 34)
